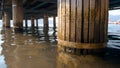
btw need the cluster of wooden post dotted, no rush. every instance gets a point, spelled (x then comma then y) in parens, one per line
(17, 16)
(82, 23)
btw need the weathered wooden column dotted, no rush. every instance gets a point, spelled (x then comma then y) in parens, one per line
(32, 22)
(17, 7)
(83, 23)
(46, 21)
(54, 21)
(46, 35)
(37, 23)
(7, 19)
(3, 21)
(26, 23)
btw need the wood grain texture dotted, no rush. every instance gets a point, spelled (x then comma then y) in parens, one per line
(106, 20)
(67, 20)
(63, 22)
(82, 45)
(73, 20)
(86, 20)
(102, 21)
(59, 18)
(92, 21)
(82, 21)
(97, 21)
(79, 21)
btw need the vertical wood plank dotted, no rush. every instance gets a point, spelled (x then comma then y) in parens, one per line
(91, 21)
(86, 20)
(97, 21)
(102, 21)
(79, 21)
(63, 22)
(82, 21)
(67, 20)
(106, 20)
(73, 18)
(59, 18)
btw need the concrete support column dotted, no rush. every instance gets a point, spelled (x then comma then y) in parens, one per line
(26, 23)
(32, 22)
(7, 19)
(54, 22)
(17, 9)
(46, 24)
(37, 23)
(83, 24)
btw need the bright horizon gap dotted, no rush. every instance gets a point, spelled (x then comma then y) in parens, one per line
(114, 12)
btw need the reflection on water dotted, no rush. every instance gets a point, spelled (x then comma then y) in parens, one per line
(86, 61)
(22, 50)
(37, 48)
(114, 36)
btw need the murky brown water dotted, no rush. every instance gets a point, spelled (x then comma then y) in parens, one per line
(38, 49)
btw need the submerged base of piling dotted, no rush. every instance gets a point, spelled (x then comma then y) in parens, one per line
(81, 48)
(79, 51)
(82, 45)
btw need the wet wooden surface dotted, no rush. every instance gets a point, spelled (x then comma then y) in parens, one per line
(83, 21)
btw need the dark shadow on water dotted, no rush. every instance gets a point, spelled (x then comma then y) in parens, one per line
(107, 60)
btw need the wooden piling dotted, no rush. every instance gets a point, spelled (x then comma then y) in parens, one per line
(17, 10)
(54, 22)
(82, 23)
(32, 22)
(37, 23)
(46, 24)
(3, 21)
(7, 19)
(26, 23)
